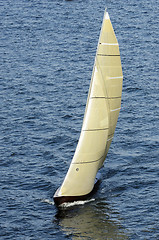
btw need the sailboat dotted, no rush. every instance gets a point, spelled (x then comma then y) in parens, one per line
(100, 119)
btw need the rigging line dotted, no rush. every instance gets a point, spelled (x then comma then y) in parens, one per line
(88, 97)
(107, 102)
(94, 67)
(103, 80)
(111, 134)
(109, 139)
(92, 77)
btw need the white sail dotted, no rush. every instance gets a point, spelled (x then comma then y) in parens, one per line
(101, 114)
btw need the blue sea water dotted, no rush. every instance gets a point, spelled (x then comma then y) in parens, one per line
(47, 51)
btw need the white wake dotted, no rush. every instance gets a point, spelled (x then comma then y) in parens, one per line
(71, 204)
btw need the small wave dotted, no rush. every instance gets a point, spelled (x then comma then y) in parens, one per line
(71, 204)
(47, 201)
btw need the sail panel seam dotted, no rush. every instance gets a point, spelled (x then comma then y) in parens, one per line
(107, 55)
(88, 162)
(106, 97)
(99, 129)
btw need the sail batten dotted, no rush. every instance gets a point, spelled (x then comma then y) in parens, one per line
(109, 44)
(116, 77)
(113, 110)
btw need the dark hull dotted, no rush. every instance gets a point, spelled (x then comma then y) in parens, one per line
(65, 199)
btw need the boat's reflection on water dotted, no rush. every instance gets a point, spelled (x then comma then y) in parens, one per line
(92, 220)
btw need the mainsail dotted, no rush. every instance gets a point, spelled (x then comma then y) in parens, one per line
(101, 114)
